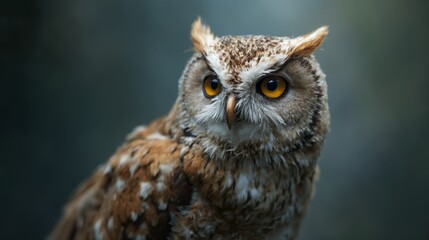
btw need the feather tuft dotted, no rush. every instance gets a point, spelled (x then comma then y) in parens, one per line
(201, 36)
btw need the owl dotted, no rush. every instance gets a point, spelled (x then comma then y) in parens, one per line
(236, 157)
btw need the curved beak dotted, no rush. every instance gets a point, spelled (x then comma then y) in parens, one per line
(230, 110)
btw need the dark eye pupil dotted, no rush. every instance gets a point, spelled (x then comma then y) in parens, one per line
(272, 85)
(214, 84)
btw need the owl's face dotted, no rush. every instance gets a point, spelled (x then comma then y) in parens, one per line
(247, 89)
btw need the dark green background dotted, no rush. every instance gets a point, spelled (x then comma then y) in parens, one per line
(78, 75)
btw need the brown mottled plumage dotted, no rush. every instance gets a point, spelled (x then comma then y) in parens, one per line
(233, 165)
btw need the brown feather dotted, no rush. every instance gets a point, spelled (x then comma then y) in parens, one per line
(201, 36)
(307, 44)
(132, 195)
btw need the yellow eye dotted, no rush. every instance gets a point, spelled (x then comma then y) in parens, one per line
(211, 86)
(272, 86)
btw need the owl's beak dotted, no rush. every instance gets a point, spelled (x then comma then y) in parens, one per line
(230, 110)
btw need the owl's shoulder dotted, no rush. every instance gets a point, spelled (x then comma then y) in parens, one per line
(133, 194)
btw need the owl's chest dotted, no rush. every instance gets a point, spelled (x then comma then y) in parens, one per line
(263, 198)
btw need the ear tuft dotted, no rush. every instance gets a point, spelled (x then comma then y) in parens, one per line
(307, 44)
(201, 36)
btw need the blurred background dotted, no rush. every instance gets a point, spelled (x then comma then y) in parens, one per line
(77, 76)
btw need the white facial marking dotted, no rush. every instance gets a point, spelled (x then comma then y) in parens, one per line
(145, 189)
(263, 67)
(258, 119)
(215, 63)
(212, 113)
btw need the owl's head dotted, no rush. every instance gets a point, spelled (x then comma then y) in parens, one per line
(261, 91)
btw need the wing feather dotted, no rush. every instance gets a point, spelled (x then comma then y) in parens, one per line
(133, 195)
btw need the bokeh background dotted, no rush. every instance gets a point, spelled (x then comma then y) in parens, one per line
(78, 75)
